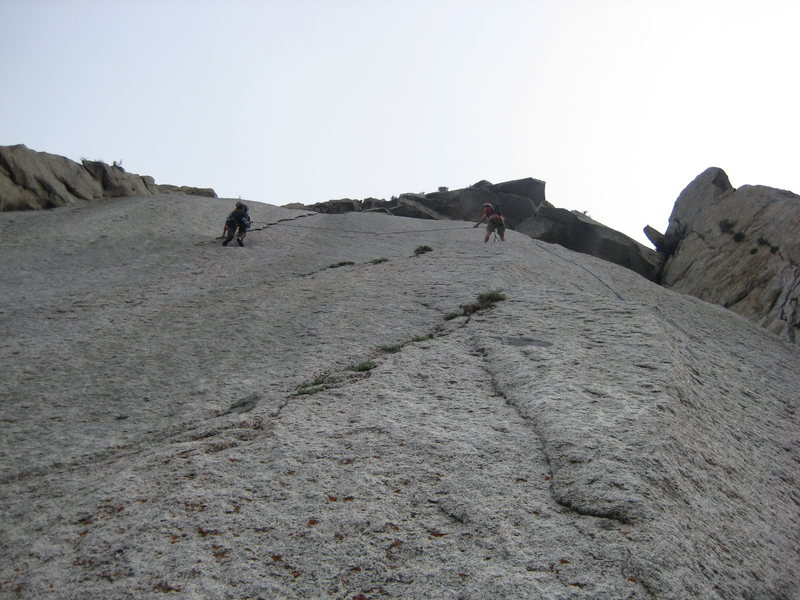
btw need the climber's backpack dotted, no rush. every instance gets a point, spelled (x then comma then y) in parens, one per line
(243, 221)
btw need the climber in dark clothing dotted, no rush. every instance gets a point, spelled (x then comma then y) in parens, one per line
(236, 224)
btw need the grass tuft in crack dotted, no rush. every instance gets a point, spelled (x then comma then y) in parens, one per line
(307, 391)
(367, 365)
(423, 338)
(395, 348)
(312, 387)
(392, 349)
(485, 301)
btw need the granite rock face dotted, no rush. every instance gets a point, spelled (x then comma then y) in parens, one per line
(179, 419)
(32, 180)
(739, 248)
(525, 209)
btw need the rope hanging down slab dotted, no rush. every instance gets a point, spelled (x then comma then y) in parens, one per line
(289, 223)
(613, 291)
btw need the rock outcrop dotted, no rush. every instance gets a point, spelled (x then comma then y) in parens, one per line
(656, 237)
(739, 248)
(35, 180)
(336, 207)
(525, 209)
(578, 232)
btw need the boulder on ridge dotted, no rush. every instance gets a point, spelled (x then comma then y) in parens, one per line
(518, 200)
(336, 207)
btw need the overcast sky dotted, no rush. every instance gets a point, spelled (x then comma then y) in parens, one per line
(616, 104)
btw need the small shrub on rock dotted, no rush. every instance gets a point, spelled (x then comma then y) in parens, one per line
(485, 301)
(762, 241)
(361, 367)
(312, 387)
(423, 338)
(392, 349)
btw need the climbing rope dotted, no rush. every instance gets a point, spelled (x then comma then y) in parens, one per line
(289, 223)
(613, 291)
(368, 232)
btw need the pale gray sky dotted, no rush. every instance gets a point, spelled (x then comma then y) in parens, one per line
(616, 104)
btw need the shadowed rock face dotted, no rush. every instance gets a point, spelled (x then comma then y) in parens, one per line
(739, 248)
(318, 415)
(580, 233)
(35, 180)
(517, 199)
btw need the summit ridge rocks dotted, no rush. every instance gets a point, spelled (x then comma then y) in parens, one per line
(525, 209)
(32, 180)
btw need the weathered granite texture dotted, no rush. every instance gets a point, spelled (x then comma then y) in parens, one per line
(320, 414)
(739, 248)
(36, 180)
